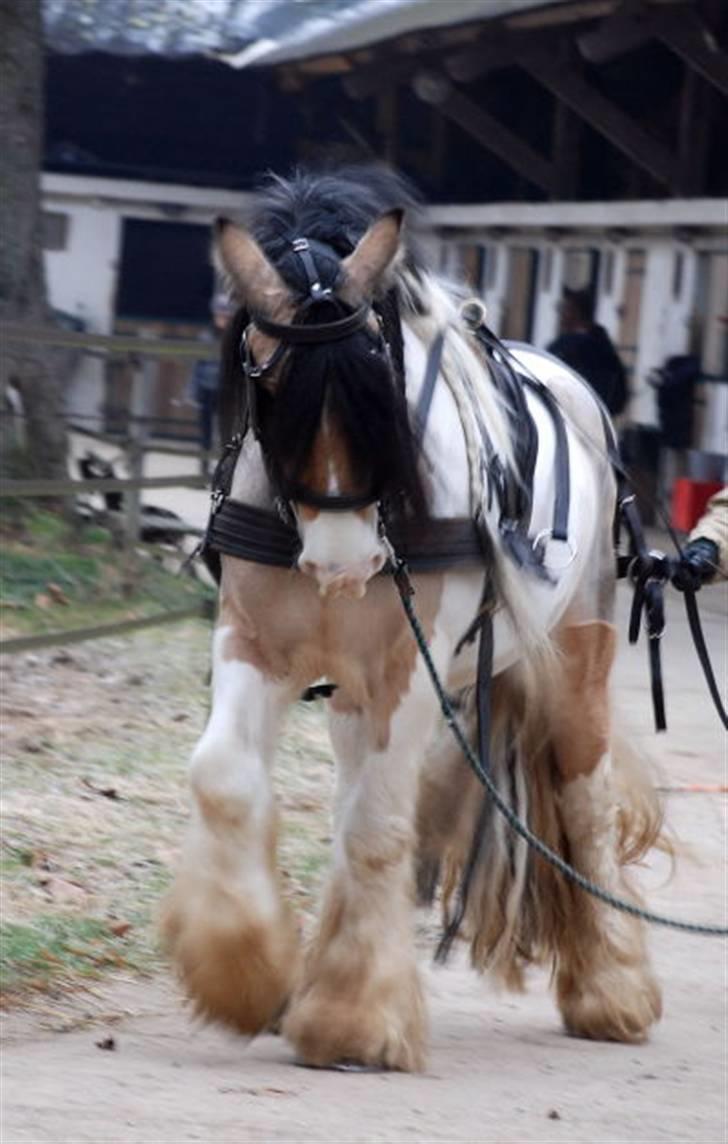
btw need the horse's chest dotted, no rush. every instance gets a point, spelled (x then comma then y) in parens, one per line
(278, 622)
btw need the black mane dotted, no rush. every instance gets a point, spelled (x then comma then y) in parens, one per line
(354, 380)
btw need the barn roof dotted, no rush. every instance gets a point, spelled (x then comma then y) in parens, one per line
(253, 31)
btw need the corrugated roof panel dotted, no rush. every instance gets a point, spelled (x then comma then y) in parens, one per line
(246, 32)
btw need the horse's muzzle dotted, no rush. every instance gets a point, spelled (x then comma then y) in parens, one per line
(347, 580)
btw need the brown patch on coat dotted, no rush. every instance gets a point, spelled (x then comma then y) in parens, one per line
(235, 973)
(329, 464)
(605, 986)
(236, 969)
(582, 715)
(364, 646)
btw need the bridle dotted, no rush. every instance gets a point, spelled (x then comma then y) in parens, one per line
(298, 333)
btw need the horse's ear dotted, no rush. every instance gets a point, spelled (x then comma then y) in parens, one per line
(371, 258)
(255, 280)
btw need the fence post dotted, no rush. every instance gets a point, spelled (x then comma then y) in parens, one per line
(141, 389)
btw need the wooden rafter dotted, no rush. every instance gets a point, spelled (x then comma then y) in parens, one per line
(609, 120)
(690, 39)
(626, 28)
(436, 89)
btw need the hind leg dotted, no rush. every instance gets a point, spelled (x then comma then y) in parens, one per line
(605, 985)
(225, 923)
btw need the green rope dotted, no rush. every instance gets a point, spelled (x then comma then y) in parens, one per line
(406, 592)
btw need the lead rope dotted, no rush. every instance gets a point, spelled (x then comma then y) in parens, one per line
(406, 593)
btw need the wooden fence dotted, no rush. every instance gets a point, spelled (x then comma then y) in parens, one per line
(140, 353)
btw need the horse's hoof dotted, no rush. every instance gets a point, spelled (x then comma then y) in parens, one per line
(341, 1066)
(384, 1029)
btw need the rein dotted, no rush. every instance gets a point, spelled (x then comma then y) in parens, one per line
(480, 768)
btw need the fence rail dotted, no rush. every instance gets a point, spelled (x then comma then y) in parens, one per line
(119, 345)
(47, 488)
(203, 610)
(14, 338)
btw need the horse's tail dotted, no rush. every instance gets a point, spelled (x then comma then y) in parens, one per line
(512, 906)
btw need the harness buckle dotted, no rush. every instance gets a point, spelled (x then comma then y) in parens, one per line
(217, 496)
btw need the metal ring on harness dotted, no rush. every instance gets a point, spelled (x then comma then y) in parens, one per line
(539, 544)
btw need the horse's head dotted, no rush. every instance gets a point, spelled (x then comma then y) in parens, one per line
(322, 394)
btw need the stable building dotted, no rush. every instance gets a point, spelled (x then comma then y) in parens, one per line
(564, 143)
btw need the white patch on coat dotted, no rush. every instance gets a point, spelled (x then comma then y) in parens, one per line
(230, 780)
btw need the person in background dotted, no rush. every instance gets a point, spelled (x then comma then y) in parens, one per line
(587, 348)
(205, 380)
(706, 553)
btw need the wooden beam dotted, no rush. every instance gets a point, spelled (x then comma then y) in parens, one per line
(436, 89)
(628, 27)
(605, 117)
(365, 82)
(687, 36)
(567, 131)
(693, 132)
(496, 53)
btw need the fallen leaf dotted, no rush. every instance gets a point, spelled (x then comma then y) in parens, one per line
(57, 595)
(119, 929)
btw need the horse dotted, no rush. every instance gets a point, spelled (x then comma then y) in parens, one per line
(342, 337)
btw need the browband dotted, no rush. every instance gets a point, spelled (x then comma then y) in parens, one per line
(299, 335)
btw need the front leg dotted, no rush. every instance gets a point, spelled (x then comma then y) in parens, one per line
(360, 998)
(225, 922)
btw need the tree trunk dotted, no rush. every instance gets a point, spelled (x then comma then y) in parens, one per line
(22, 277)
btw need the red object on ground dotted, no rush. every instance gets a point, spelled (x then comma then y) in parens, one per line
(689, 499)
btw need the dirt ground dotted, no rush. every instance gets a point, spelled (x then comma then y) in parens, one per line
(122, 1061)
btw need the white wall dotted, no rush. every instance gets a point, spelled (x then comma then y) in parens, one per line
(82, 281)
(82, 278)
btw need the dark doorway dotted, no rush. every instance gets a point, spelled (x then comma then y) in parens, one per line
(165, 272)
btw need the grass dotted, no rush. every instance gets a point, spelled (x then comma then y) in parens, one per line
(95, 748)
(96, 740)
(55, 948)
(54, 576)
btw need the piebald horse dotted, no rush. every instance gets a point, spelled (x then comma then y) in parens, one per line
(334, 436)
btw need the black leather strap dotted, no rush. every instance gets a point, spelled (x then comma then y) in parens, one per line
(696, 631)
(303, 250)
(260, 535)
(318, 332)
(432, 369)
(562, 478)
(301, 494)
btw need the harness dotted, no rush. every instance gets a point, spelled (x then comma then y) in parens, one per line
(270, 536)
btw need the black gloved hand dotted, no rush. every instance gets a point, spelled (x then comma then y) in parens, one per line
(698, 564)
